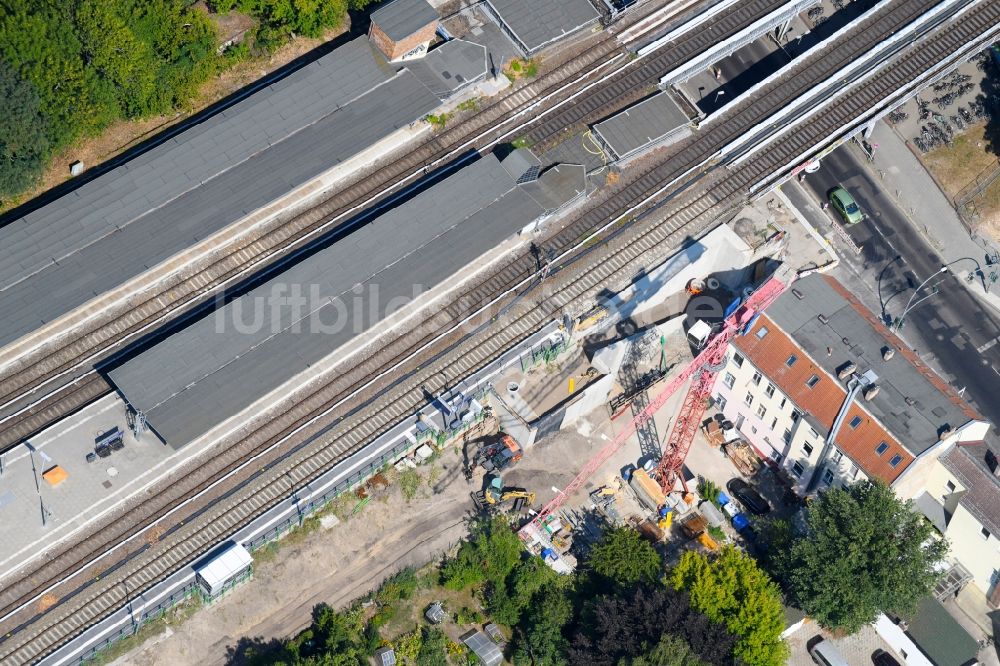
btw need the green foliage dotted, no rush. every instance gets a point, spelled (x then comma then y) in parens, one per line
(489, 554)
(864, 552)
(24, 134)
(522, 142)
(733, 590)
(624, 558)
(401, 585)
(90, 62)
(709, 490)
(508, 601)
(466, 615)
(433, 649)
(670, 651)
(279, 20)
(468, 105)
(438, 121)
(717, 533)
(408, 646)
(540, 640)
(409, 483)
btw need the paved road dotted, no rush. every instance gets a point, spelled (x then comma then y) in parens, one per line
(953, 331)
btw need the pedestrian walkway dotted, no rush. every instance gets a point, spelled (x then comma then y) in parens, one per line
(903, 176)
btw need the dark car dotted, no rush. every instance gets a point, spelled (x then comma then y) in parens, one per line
(748, 497)
(883, 658)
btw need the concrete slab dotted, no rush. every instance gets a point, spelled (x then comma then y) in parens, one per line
(90, 490)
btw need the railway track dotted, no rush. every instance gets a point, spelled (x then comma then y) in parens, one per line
(33, 374)
(361, 426)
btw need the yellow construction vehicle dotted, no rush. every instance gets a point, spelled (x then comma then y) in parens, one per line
(495, 495)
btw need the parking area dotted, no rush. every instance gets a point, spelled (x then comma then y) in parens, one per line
(857, 648)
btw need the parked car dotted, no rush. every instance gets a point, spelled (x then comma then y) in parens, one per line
(748, 497)
(824, 654)
(846, 206)
(882, 658)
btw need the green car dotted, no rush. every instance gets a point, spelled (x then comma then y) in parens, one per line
(845, 204)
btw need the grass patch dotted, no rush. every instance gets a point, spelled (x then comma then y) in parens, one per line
(958, 165)
(438, 121)
(522, 142)
(521, 68)
(469, 105)
(717, 533)
(409, 483)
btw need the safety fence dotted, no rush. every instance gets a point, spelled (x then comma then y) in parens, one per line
(281, 528)
(545, 352)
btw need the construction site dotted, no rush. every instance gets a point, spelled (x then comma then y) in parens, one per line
(604, 422)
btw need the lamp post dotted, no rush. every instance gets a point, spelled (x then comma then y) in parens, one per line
(910, 304)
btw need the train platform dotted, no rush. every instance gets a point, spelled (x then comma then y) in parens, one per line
(70, 476)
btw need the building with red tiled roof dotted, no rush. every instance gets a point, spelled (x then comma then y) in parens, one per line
(787, 382)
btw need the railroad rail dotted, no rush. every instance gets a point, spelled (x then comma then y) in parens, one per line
(698, 206)
(32, 375)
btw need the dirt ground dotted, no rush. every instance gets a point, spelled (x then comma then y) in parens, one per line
(122, 135)
(959, 164)
(338, 564)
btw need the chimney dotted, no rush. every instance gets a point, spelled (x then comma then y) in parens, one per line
(871, 391)
(910, 401)
(823, 319)
(847, 370)
(887, 353)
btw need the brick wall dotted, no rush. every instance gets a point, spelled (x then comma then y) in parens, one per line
(395, 50)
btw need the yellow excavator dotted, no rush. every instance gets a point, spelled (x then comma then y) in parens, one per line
(494, 495)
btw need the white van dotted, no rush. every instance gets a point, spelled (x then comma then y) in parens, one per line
(824, 654)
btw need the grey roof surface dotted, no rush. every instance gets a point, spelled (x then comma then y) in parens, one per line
(215, 368)
(940, 636)
(557, 185)
(199, 182)
(450, 66)
(932, 510)
(539, 22)
(401, 18)
(520, 161)
(484, 647)
(642, 124)
(982, 497)
(853, 338)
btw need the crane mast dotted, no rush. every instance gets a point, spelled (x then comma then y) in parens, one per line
(703, 368)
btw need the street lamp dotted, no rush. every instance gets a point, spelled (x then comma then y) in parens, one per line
(910, 304)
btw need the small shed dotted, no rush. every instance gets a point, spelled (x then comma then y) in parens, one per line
(403, 29)
(385, 657)
(435, 613)
(487, 651)
(218, 573)
(495, 633)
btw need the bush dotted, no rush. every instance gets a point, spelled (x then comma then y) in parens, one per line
(409, 483)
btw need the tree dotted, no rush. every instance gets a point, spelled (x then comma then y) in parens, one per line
(624, 558)
(670, 651)
(863, 552)
(508, 601)
(489, 554)
(433, 649)
(616, 628)
(540, 640)
(731, 589)
(23, 133)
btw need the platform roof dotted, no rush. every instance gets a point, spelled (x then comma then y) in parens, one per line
(449, 66)
(219, 365)
(220, 569)
(140, 213)
(535, 24)
(641, 125)
(851, 334)
(557, 185)
(401, 18)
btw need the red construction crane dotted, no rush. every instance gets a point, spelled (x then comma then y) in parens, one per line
(706, 364)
